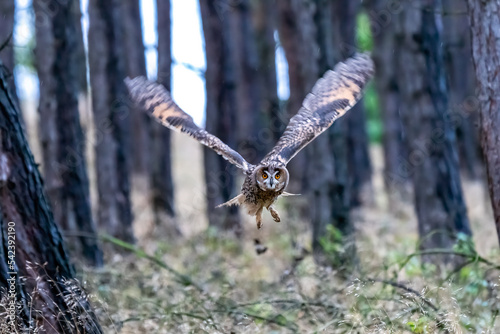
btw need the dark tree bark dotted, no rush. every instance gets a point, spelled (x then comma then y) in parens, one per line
(252, 46)
(46, 294)
(62, 139)
(271, 121)
(7, 11)
(244, 62)
(297, 31)
(162, 184)
(461, 84)
(485, 25)
(357, 141)
(432, 160)
(110, 106)
(136, 66)
(328, 159)
(383, 30)
(220, 113)
(252, 56)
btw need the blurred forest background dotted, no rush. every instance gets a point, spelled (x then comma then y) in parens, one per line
(397, 228)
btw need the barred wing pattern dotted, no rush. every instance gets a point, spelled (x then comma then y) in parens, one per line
(331, 97)
(156, 100)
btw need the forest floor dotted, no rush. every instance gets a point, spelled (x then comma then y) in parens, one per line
(209, 282)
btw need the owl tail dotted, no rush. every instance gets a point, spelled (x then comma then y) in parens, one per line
(235, 201)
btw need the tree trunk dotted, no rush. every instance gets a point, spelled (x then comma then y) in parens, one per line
(485, 28)
(244, 62)
(384, 56)
(110, 106)
(136, 66)
(461, 84)
(162, 184)
(271, 122)
(328, 160)
(33, 260)
(7, 11)
(296, 31)
(432, 159)
(62, 139)
(220, 114)
(357, 141)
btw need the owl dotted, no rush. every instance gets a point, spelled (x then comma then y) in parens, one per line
(331, 97)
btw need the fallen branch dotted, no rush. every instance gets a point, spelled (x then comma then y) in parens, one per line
(474, 256)
(407, 289)
(184, 279)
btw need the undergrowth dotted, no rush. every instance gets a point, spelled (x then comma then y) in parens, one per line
(209, 291)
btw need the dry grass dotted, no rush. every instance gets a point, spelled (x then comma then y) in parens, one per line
(242, 292)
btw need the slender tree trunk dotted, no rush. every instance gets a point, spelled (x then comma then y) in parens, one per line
(271, 121)
(384, 56)
(110, 106)
(220, 113)
(357, 141)
(297, 31)
(136, 66)
(461, 84)
(485, 32)
(32, 247)
(62, 139)
(433, 160)
(328, 161)
(162, 184)
(7, 11)
(249, 94)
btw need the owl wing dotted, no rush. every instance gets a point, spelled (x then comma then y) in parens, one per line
(156, 100)
(331, 97)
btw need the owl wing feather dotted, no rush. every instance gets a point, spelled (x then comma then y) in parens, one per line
(156, 100)
(331, 97)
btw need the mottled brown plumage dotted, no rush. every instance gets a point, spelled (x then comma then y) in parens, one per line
(331, 97)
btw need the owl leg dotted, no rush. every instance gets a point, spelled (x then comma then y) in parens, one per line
(258, 217)
(274, 213)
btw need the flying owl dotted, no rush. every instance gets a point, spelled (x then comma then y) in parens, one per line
(331, 97)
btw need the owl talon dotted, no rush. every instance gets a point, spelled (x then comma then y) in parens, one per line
(258, 217)
(275, 214)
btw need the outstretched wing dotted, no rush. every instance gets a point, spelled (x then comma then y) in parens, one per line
(331, 97)
(156, 100)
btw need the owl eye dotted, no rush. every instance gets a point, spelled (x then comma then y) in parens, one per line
(264, 176)
(277, 176)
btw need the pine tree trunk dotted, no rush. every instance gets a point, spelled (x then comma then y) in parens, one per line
(327, 156)
(7, 11)
(47, 295)
(485, 28)
(271, 122)
(136, 66)
(432, 159)
(63, 143)
(296, 32)
(220, 114)
(461, 84)
(162, 184)
(111, 111)
(357, 141)
(386, 73)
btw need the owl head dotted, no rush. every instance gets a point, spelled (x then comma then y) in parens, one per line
(271, 178)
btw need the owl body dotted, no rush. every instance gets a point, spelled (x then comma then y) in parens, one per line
(262, 186)
(331, 97)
